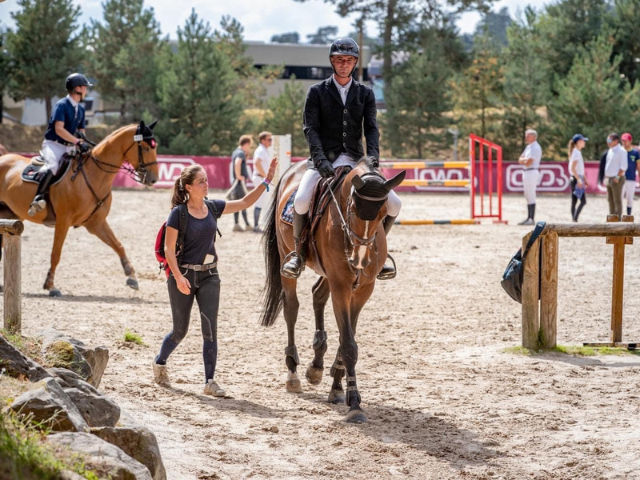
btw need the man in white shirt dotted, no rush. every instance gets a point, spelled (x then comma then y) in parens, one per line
(615, 168)
(530, 160)
(261, 160)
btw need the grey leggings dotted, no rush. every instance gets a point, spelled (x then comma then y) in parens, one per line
(205, 289)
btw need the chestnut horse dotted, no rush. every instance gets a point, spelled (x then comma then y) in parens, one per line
(83, 196)
(350, 250)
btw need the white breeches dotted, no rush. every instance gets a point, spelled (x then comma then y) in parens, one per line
(52, 152)
(628, 191)
(529, 184)
(311, 177)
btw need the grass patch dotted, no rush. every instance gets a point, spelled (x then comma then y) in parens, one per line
(517, 350)
(133, 337)
(25, 454)
(578, 350)
(29, 347)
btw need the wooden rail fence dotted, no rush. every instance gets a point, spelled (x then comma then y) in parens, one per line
(540, 278)
(10, 231)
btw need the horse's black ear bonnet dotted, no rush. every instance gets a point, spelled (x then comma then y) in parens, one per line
(144, 133)
(370, 196)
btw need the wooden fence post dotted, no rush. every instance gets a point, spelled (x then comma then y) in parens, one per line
(530, 295)
(549, 291)
(11, 231)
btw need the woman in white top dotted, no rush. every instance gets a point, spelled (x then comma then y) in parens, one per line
(576, 168)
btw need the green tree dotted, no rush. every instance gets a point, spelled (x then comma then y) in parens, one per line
(415, 124)
(6, 69)
(323, 36)
(495, 25)
(593, 99)
(44, 48)
(285, 115)
(289, 37)
(125, 62)
(525, 87)
(479, 90)
(623, 22)
(198, 92)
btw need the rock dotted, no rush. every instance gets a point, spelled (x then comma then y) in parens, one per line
(137, 442)
(16, 364)
(96, 409)
(63, 351)
(68, 475)
(70, 379)
(107, 459)
(48, 403)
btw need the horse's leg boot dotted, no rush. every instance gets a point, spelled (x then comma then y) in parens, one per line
(39, 203)
(388, 270)
(295, 261)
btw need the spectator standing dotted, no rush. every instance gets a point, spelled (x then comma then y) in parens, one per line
(614, 173)
(629, 188)
(261, 159)
(530, 160)
(576, 168)
(240, 174)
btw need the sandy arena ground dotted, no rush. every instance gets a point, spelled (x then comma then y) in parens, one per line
(443, 397)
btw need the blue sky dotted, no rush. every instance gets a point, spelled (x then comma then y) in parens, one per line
(260, 23)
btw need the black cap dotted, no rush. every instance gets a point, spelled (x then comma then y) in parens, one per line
(77, 80)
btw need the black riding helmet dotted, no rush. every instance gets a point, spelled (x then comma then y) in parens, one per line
(76, 80)
(344, 46)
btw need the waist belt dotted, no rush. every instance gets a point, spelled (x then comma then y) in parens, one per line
(199, 267)
(530, 169)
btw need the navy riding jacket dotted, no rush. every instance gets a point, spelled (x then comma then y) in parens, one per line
(64, 111)
(332, 128)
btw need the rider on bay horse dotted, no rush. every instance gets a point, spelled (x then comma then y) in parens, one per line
(335, 113)
(67, 119)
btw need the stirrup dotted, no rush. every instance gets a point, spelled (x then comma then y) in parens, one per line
(287, 259)
(389, 274)
(36, 207)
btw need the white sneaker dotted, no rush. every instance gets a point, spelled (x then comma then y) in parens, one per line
(238, 228)
(528, 221)
(213, 389)
(160, 375)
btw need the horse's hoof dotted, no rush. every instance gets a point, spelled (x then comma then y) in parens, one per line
(133, 283)
(314, 374)
(54, 292)
(355, 416)
(336, 397)
(293, 384)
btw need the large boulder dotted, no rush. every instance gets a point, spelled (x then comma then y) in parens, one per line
(137, 442)
(106, 459)
(49, 404)
(97, 409)
(62, 351)
(16, 364)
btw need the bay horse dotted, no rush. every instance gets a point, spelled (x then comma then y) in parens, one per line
(83, 196)
(350, 250)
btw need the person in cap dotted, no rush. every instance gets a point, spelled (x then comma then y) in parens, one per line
(240, 175)
(615, 168)
(576, 168)
(530, 160)
(337, 112)
(61, 137)
(629, 187)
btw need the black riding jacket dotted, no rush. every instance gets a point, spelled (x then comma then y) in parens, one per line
(332, 128)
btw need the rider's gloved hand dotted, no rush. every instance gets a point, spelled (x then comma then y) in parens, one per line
(83, 147)
(325, 169)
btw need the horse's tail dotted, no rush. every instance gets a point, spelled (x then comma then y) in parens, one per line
(273, 296)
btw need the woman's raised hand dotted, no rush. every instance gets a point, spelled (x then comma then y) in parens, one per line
(272, 168)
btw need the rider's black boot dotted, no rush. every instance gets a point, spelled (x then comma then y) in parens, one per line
(39, 203)
(388, 271)
(295, 261)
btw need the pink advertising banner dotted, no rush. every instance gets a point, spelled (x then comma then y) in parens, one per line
(554, 176)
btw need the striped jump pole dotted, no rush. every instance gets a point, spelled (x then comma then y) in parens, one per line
(455, 221)
(428, 164)
(419, 182)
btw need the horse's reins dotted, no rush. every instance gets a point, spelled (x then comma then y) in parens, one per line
(99, 163)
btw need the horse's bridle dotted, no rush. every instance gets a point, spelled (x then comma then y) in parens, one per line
(354, 240)
(141, 171)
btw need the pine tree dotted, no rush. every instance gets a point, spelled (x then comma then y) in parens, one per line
(6, 69)
(44, 48)
(198, 93)
(285, 115)
(125, 62)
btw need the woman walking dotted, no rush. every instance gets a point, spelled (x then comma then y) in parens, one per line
(578, 181)
(194, 273)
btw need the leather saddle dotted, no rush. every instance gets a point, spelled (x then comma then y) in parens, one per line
(32, 172)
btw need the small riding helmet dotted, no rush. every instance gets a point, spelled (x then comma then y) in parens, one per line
(77, 80)
(344, 46)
